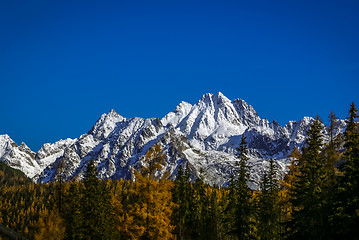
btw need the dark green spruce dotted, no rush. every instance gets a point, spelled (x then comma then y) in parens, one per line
(241, 225)
(310, 193)
(269, 208)
(345, 212)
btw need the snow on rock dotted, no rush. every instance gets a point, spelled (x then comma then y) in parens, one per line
(106, 124)
(18, 157)
(175, 117)
(203, 136)
(48, 153)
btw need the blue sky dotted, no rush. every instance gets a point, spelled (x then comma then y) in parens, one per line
(64, 63)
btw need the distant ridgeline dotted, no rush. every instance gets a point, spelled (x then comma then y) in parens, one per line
(204, 135)
(317, 199)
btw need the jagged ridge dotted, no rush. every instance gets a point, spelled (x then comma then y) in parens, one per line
(204, 135)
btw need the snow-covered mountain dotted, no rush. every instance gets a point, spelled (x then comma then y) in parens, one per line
(204, 135)
(18, 157)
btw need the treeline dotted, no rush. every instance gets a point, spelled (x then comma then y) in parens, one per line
(317, 199)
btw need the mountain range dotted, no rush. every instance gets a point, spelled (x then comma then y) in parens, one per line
(204, 136)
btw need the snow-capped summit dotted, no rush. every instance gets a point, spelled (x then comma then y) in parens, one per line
(246, 113)
(18, 157)
(175, 117)
(204, 135)
(106, 124)
(210, 114)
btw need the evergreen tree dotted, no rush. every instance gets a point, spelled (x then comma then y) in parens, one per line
(189, 198)
(59, 196)
(199, 214)
(198, 209)
(72, 214)
(98, 221)
(179, 193)
(308, 197)
(332, 147)
(351, 136)
(332, 155)
(231, 207)
(345, 217)
(240, 205)
(212, 220)
(269, 209)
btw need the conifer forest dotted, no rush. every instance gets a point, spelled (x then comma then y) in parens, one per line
(317, 199)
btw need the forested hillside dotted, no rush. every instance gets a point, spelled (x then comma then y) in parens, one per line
(317, 199)
(10, 176)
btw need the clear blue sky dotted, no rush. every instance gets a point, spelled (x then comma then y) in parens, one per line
(64, 63)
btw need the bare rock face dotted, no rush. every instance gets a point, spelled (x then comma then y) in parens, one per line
(204, 136)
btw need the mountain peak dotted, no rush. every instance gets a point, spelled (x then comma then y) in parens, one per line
(220, 95)
(243, 105)
(210, 99)
(206, 96)
(175, 117)
(106, 124)
(246, 112)
(205, 135)
(183, 106)
(23, 146)
(4, 137)
(241, 102)
(6, 140)
(19, 157)
(113, 113)
(221, 98)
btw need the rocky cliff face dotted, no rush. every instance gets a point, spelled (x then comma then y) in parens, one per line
(204, 135)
